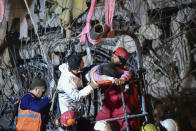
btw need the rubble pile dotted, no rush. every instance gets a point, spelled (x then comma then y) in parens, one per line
(160, 37)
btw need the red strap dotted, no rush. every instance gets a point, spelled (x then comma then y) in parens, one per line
(2, 8)
(88, 26)
(109, 12)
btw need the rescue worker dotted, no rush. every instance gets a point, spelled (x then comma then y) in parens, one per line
(71, 89)
(120, 56)
(31, 106)
(112, 103)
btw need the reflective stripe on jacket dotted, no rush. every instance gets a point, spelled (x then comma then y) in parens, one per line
(28, 120)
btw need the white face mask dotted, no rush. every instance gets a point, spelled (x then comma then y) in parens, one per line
(77, 72)
(80, 71)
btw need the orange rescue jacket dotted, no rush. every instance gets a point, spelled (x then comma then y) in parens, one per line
(28, 120)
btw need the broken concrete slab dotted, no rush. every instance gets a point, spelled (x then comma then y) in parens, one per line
(150, 32)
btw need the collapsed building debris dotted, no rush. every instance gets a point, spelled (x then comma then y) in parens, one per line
(160, 35)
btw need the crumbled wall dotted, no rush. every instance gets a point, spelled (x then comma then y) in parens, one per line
(165, 30)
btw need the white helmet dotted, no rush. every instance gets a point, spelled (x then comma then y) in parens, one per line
(102, 126)
(170, 125)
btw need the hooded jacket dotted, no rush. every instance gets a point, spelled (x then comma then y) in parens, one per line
(68, 85)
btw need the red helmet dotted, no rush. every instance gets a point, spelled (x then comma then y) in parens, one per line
(122, 52)
(68, 118)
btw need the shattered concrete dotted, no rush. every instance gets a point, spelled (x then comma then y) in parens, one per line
(164, 28)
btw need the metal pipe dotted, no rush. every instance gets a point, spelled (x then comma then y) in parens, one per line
(123, 117)
(124, 109)
(142, 83)
(141, 75)
(103, 53)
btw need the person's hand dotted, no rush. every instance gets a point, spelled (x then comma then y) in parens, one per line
(119, 81)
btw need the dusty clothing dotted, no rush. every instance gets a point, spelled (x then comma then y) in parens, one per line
(112, 106)
(29, 114)
(68, 85)
(28, 120)
(30, 102)
(112, 103)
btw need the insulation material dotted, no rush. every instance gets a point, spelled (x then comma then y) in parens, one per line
(69, 9)
(185, 15)
(55, 59)
(158, 83)
(109, 43)
(5, 58)
(127, 42)
(2, 9)
(139, 9)
(42, 13)
(89, 56)
(15, 9)
(78, 48)
(150, 31)
(8, 88)
(43, 50)
(42, 10)
(26, 53)
(3, 28)
(14, 84)
(1, 79)
(86, 61)
(53, 20)
(60, 48)
(175, 27)
(35, 16)
(15, 88)
(18, 10)
(99, 13)
(181, 51)
(23, 29)
(8, 92)
(8, 85)
(156, 45)
(153, 4)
